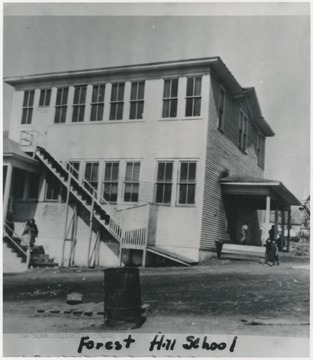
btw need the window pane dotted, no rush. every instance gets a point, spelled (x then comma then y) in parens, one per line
(166, 90)
(24, 116)
(63, 114)
(189, 87)
(65, 96)
(183, 172)
(174, 88)
(141, 92)
(121, 92)
(173, 108)
(42, 98)
(197, 109)
(114, 92)
(113, 196)
(182, 194)
(112, 111)
(31, 98)
(127, 192)
(132, 114)
(129, 170)
(29, 116)
(25, 100)
(197, 86)
(159, 193)
(120, 111)
(83, 95)
(94, 173)
(115, 172)
(168, 173)
(108, 170)
(140, 110)
(167, 194)
(191, 194)
(100, 112)
(135, 192)
(189, 107)
(93, 112)
(76, 95)
(101, 93)
(161, 170)
(133, 95)
(48, 96)
(106, 192)
(166, 107)
(192, 172)
(136, 172)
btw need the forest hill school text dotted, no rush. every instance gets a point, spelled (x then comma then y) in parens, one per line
(159, 342)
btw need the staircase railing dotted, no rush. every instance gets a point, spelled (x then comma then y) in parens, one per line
(118, 224)
(6, 232)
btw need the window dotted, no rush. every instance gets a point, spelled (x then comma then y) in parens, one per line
(221, 108)
(27, 110)
(132, 182)
(243, 125)
(91, 176)
(33, 185)
(193, 96)
(110, 183)
(117, 101)
(170, 98)
(79, 103)
(53, 187)
(45, 95)
(61, 106)
(74, 168)
(137, 100)
(164, 183)
(97, 103)
(260, 150)
(187, 183)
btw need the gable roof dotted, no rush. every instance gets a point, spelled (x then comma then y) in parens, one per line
(12, 149)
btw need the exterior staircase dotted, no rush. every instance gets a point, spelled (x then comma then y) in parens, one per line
(15, 258)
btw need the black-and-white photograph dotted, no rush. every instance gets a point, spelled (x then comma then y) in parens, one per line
(156, 179)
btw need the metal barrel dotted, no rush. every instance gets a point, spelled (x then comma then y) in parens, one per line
(122, 294)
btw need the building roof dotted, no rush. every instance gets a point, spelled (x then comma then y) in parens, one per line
(253, 186)
(203, 64)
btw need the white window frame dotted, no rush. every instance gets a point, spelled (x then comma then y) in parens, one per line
(131, 182)
(194, 97)
(164, 183)
(27, 108)
(62, 106)
(97, 102)
(170, 99)
(117, 102)
(80, 105)
(134, 102)
(111, 182)
(45, 97)
(179, 183)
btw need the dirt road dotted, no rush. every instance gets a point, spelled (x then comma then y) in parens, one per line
(224, 297)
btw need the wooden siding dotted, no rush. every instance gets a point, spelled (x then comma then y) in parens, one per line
(223, 157)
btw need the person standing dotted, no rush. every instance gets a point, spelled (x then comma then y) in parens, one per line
(34, 232)
(9, 222)
(244, 232)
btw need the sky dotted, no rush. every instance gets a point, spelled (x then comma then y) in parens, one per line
(264, 45)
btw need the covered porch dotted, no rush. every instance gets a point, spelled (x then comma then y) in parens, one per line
(251, 201)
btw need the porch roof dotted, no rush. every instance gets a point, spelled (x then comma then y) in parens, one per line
(257, 189)
(13, 153)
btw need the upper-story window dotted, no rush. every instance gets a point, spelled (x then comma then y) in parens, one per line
(170, 98)
(45, 95)
(131, 193)
(193, 96)
(97, 103)
(117, 101)
(187, 182)
(28, 104)
(91, 176)
(164, 183)
(221, 108)
(110, 183)
(61, 105)
(137, 99)
(79, 103)
(243, 128)
(260, 149)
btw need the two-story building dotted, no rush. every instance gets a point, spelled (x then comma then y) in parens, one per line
(141, 164)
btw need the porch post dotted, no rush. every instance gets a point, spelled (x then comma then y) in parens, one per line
(282, 236)
(276, 221)
(267, 219)
(288, 232)
(7, 189)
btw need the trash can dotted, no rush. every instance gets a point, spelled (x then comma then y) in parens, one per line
(219, 247)
(122, 295)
